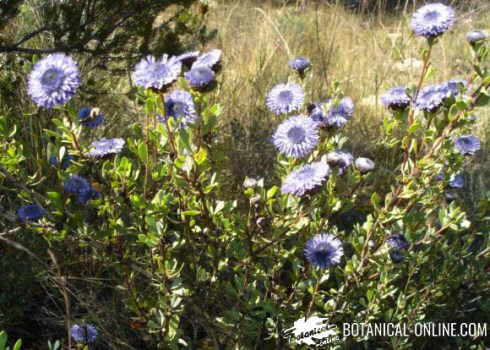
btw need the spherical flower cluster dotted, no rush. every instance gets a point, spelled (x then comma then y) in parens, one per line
(299, 64)
(476, 36)
(200, 77)
(453, 87)
(398, 241)
(306, 178)
(430, 98)
(296, 137)
(285, 98)
(31, 212)
(84, 334)
(317, 114)
(104, 147)
(364, 165)
(457, 181)
(396, 98)
(180, 106)
(340, 159)
(467, 144)
(156, 74)
(90, 117)
(340, 113)
(432, 20)
(208, 59)
(324, 250)
(53, 81)
(80, 187)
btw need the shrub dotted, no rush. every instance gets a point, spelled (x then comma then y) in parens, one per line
(137, 237)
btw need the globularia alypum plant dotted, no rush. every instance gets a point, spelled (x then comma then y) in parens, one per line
(146, 210)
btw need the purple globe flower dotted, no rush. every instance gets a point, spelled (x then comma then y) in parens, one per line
(456, 181)
(208, 59)
(188, 58)
(396, 98)
(398, 241)
(339, 114)
(200, 77)
(104, 147)
(156, 74)
(318, 115)
(31, 212)
(306, 178)
(90, 117)
(340, 159)
(364, 165)
(285, 98)
(475, 37)
(396, 256)
(431, 98)
(324, 250)
(53, 81)
(80, 187)
(299, 64)
(432, 20)
(84, 334)
(467, 144)
(296, 137)
(180, 106)
(453, 87)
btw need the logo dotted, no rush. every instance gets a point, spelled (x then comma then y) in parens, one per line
(314, 331)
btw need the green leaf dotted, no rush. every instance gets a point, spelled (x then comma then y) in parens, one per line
(17, 345)
(143, 152)
(201, 156)
(191, 212)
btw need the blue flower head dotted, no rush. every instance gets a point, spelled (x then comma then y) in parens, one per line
(398, 241)
(84, 334)
(306, 178)
(296, 137)
(324, 250)
(285, 98)
(208, 59)
(396, 256)
(432, 20)
(340, 113)
(200, 77)
(475, 37)
(104, 147)
(317, 114)
(299, 64)
(180, 106)
(396, 98)
(156, 74)
(467, 144)
(80, 187)
(53, 81)
(364, 165)
(31, 212)
(453, 87)
(340, 159)
(90, 117)
(456, 181)
(431, 97)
